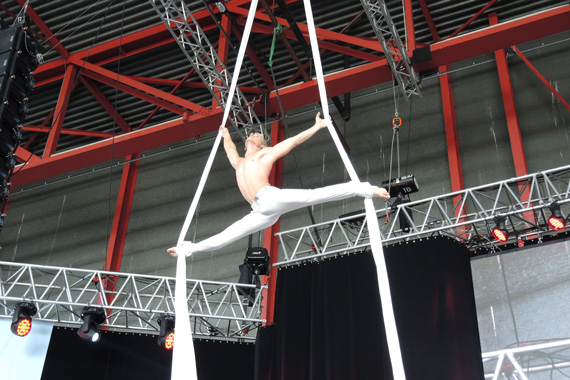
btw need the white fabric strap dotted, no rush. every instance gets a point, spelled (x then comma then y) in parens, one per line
(371, 218)
(183, 357)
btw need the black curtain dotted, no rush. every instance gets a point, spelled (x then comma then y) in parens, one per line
(134, 356)
(328, 322)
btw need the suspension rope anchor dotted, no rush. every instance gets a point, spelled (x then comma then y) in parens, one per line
(396, 121)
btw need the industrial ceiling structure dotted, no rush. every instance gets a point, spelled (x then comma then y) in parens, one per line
(112, 84)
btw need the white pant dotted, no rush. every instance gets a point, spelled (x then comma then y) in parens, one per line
(270, 203)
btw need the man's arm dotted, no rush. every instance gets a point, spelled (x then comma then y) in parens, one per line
(230, 147)
(285, 146)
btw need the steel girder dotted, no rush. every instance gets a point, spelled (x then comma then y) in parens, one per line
(216, 308)
(444, 52)
(392, 46)
(208, 65)
(524, 201)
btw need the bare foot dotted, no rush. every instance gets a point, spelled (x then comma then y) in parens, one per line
(380, 192)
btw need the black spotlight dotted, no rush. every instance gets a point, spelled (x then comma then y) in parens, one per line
(258, 260)
(500, 232)
(92, 317)
(399, 187)
(556, 220)
(22, 318)
(166, 335)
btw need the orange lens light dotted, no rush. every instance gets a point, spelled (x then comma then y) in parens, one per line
(169, 343)
(24, 327)
(556, 223)
(500, 234)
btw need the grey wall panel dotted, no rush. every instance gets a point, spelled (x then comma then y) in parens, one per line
(62, 224)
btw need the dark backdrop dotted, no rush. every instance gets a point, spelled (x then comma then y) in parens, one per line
(328, 321)
(134, 356)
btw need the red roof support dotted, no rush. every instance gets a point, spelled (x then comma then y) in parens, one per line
(270, 241)
(510, 108)
(445, 52)
(541, 77)
(140, 90)
(429, 20)
(64, 131)
(60, 110)
(105, 103)
(122, 213)
(129, 45)
(410, 28)
(472, 19)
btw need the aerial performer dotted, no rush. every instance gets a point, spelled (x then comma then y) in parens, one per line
(268, 202)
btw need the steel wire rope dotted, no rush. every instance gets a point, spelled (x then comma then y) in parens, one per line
(72, 21)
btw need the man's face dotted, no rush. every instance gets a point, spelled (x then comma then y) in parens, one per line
(255, 139)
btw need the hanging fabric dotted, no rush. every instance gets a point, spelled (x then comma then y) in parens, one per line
(183, 357)
(371, 218)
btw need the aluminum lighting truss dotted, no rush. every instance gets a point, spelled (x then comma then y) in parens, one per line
(396, 56)
(467, 215)
(542, 357)
(207, 63)
(217, 309)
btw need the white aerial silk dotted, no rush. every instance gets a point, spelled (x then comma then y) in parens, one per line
(184, 360)
(183, 357)
(371, 218)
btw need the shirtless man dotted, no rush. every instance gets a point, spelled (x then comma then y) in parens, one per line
(267, 202)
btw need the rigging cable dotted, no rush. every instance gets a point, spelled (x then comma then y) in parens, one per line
(279, 29)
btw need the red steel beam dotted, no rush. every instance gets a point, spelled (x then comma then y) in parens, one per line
(357, 78)
(51, 39)
(510, 108)
(450, 121)
(23, 155)
(497, 37)
(472, 19)
(270, 241)
(260, 67)
(105, 103)
(130, 45)
(374, 45)
(410, 28)
(370, 43)
(541, 77)
(122, 213)
(132, 91)
(65, 131)
(60, 110)
(154, 111)
(429, 20)
(112, 79)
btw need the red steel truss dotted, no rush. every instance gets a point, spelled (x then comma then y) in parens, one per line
(197, 120)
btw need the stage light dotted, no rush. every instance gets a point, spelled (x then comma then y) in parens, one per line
(500, 232)
(92, 317)
(556, 220)
(22, 318)
(258, 260)
(166, 335)
(399, 187)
